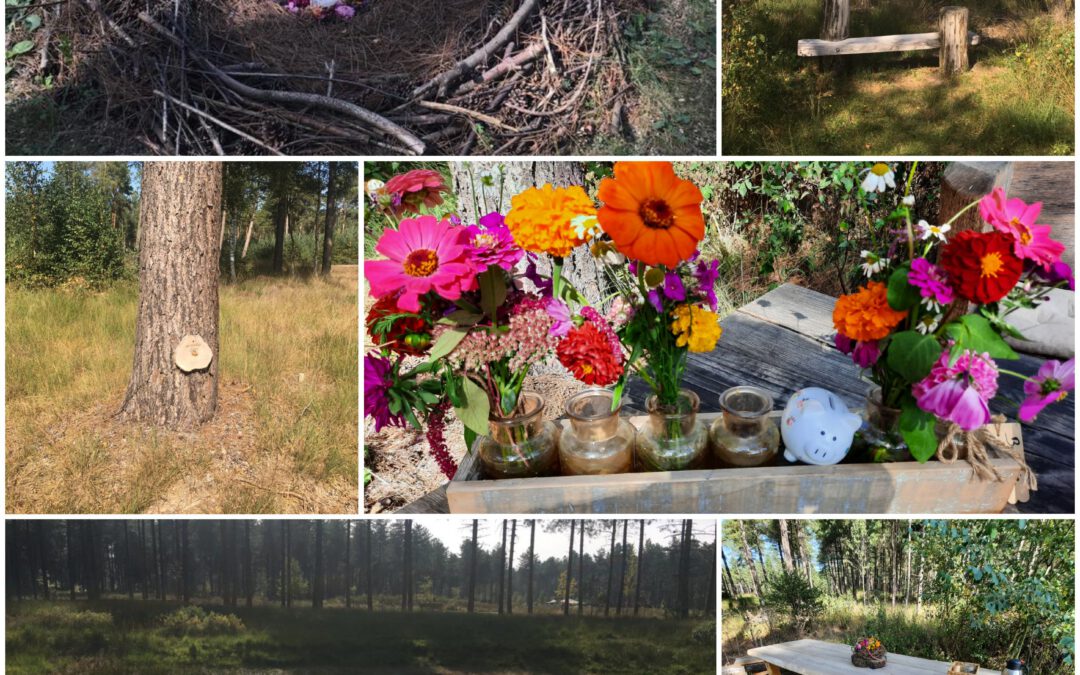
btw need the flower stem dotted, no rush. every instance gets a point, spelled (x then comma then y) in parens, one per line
(1016, 374)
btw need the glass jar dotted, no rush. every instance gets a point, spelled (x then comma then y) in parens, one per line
(879, 439)
(673, 439)
(523, 446)
(745, 435)
(597, 440)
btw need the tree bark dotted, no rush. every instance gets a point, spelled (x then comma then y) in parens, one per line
(570, 571)
(472, 565)
(532, 560)
(611, 569)
(331, 220)
(367, 567)
(348, 564)
(510, 570)
(640, 565)
(622, 574)
(70, 557)
(178, 294)
(750, 562)
(502, 569)
(581, 570)
(684, 569)
(320, 579)
(249, 571)
(43, 557)
(785, 546)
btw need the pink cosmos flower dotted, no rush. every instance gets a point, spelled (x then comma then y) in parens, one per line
(408, 191)
(1017, 219)
(931, 280)
(560, 315)
(425, 255)
(864, 354)
(1052, 383)
(959, 393)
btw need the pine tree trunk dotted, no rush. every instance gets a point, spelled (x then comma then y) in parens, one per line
(472, 566)
(570, 571)
(317, 587)
(684, 569)
(785, 546)
(185, 560)
(581, 570)
(510, 570)
(502, 569)
(532, 560)
(70, 557)
(331, 220)
(750, 563)
(640, 565)
(348, 564)
(611, 569)
(178, 294)
(367, 567)
(622, 574)
(288, 563)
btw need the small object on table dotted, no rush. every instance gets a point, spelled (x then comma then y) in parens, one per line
(745, 435)
(1014, 667)
(817, 427)
(597, 440)
(962, 668)
(868, 653)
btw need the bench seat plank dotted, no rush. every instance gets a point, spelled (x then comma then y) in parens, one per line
(876, 44)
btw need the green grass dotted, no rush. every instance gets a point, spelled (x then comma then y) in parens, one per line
(286, 419)
(120, 636)
(1017, 100)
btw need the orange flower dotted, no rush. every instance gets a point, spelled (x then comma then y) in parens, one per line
(652, 215)
(549, 220)
(866, 316)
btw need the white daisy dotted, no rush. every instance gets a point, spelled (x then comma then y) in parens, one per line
(926, 230)
(931, 305)
(872, 263)
(908, 200)
(878, 178)
(928, 323)
(586, 227)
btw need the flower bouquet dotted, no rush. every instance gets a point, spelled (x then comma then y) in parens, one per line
(325, 10)
(456, 296)
(868, 653)
(929, 323)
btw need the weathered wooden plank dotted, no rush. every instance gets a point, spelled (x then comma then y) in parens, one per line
(904, 487)
(1053, 184)
(816, 657)
(876, 44)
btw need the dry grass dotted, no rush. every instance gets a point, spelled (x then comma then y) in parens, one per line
(283, 440)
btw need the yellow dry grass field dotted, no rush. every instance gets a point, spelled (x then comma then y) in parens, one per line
(283, 440)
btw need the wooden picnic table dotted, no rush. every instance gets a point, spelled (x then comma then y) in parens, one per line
(783, 341)
(815, 657)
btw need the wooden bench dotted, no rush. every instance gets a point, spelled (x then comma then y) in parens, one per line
(951, 39)
(815, 657)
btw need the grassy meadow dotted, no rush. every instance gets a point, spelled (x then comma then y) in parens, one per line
(146, 637)
(1016, 100)
(284, 438)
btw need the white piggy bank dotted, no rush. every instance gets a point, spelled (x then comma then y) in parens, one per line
(817, 427)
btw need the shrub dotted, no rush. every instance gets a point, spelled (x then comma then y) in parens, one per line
(197, 621)
(792, 593)
(705, 633)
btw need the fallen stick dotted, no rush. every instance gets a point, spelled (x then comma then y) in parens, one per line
(486, 119)
(503, 67)
(216, 121)
(481, 55)
(411, 142)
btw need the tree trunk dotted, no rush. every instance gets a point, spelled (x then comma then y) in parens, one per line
(953, 26)
(144, 580)
(750, 562)
(127, 562)
(622, 574)
(178, 294)
(532, 560)
(733, 589)
(286, 526)
(684, 569)
(510, 570)
(281, 215)
(249, 571)
(502, 568)
(785, 546)
(185, 562)
(179, 558)
(320, 578)
(70, 557)
(581, 570)
(611, 569)
(640, 565)
(367, 567)
(247, 237)
(570, 571)
(43, 557)
(472, 566)
(348, 564)
(331, 220)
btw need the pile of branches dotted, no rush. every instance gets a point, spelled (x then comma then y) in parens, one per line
(405, 77)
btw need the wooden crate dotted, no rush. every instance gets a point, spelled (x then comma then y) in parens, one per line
(900, 487)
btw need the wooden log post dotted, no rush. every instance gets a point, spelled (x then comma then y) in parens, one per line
(963, 183)
(835, 26)
(953, 26)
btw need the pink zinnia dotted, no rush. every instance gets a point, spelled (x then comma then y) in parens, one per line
(1052, 384)
(425, 255)
(490, 243)
(1017, 219)
(864, 354)
(409, 190)
(959, 393)
(931, 280)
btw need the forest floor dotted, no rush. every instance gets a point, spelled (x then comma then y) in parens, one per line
(128, 636)
(1017, 99)
(283, 439)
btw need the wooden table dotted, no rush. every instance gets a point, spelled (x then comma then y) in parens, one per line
(814, 657)
(783, 342)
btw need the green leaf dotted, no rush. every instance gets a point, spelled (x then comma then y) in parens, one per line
(22, 47)
(901, 294)
(911, 354)
(474, 414)
(974, 332)
(33, 22)
(461, 317)
(492, 290)
(917, 428)
(446, 343)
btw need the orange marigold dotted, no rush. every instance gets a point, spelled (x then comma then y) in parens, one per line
(542, 220)
(866, 315)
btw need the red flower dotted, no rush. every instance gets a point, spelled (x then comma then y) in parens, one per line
(586, 353)
(408, 335)
(981, 266)
(419, 187)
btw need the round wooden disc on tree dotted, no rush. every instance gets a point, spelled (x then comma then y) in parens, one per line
(192, 354)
